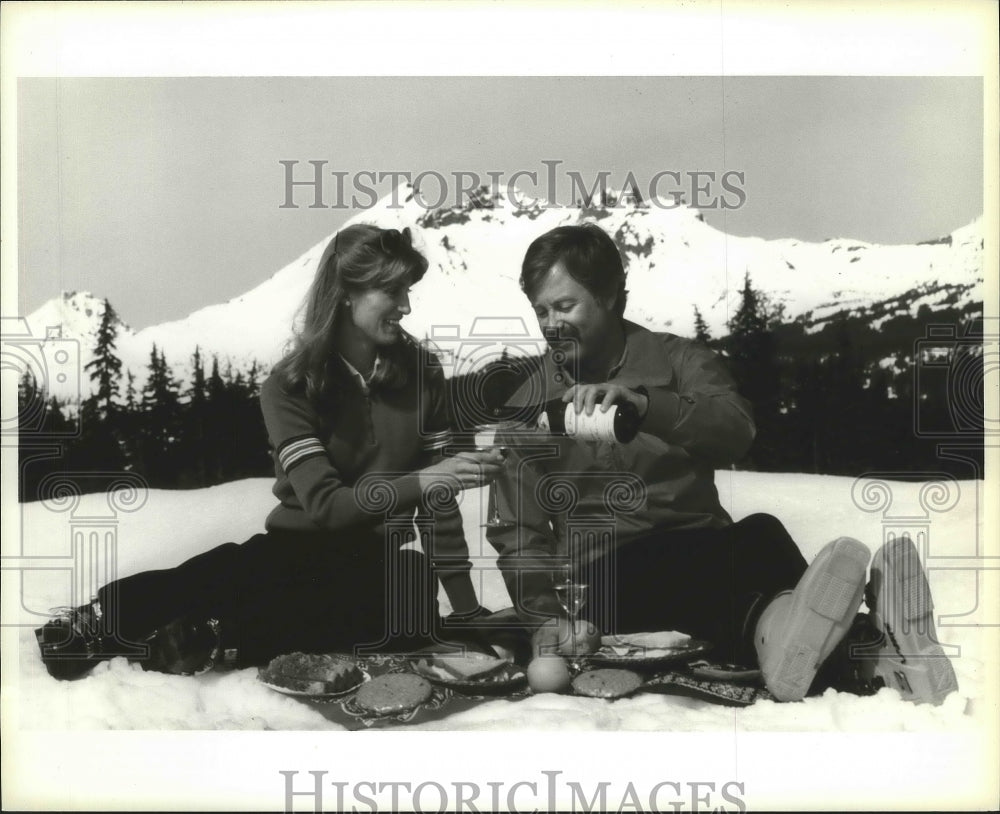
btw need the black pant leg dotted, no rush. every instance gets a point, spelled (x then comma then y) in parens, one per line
(284, 591)
(352, 599)
(769, 558)
(709, 583)
(217, 582)
(315, 608)
(136, 605)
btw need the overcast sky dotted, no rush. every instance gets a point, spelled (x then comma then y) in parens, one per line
(165, 195)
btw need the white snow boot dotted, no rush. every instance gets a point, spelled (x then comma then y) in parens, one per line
(907, 657)
(799, 629)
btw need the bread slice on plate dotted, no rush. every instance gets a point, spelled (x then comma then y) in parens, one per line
(393, 693)
(468, 666)
(312, 674)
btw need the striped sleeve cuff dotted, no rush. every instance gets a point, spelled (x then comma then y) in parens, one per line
(295, 450)
(436, 441)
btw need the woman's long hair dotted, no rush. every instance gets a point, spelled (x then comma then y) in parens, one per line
(359, 258)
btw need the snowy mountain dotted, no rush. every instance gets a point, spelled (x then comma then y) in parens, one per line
(470, 301)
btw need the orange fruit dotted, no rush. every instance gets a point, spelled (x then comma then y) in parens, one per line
(548, 674)
(587, 638)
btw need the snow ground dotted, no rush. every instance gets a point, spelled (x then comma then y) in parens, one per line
(173, 525)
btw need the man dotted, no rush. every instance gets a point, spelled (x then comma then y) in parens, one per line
(641, 522)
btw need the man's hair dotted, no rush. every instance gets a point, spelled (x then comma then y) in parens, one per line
(589, 256)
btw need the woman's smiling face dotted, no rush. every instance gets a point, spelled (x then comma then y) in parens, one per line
(375, 312)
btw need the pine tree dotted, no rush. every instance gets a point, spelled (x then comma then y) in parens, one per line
(30, 401)
(810, 416)
(151, 435)
(161, 419)
(131, 424)
(198, 393)
(195, 418)
(168, 392)
(101, 442)
(56, 421)
(216, 387)
(39, 415)
(252, 385)
(846, 397)
(130, 396)
(749, 321)
(40, 419)
(237, 386)
(153, 375)
(249, 453)
(701, 332)
(105, 367)
(754, 361)
(217, 425)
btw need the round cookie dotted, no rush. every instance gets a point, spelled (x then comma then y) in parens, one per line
(609, 683)
(392, 693)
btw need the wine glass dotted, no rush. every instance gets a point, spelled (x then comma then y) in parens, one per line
(493, 518)
(572, 595)
(486, 440)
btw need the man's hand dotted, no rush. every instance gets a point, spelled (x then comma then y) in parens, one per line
(586, 396)
(555, 636)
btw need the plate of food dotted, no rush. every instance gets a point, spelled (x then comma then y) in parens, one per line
(646, 649)
(316, 676)
(469, 671)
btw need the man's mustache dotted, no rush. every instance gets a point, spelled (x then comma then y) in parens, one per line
(559, 336)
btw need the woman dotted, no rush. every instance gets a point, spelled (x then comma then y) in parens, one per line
(354, 414)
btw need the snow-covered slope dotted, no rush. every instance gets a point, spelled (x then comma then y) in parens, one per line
(676, 261)
(169, 526)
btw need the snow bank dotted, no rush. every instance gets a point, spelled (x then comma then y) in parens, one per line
(173, 525)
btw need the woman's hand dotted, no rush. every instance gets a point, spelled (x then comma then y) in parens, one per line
(466, 470)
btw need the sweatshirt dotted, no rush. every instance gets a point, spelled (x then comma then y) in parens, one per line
(664, 479)
(355, 466)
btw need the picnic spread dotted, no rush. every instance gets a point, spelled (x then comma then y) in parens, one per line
(386, 690)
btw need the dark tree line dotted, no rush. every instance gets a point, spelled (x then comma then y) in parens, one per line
(844, 400)
(850, 398)
(206, 433)
(847, 399)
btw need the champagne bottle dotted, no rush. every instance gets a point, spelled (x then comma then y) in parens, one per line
(619, 425)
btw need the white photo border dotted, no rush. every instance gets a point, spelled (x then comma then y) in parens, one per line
(239, 770)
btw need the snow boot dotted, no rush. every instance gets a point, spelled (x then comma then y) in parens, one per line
(843, 673)
(189, 645)
(799, 629)
(907, 656)
(73, 642)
